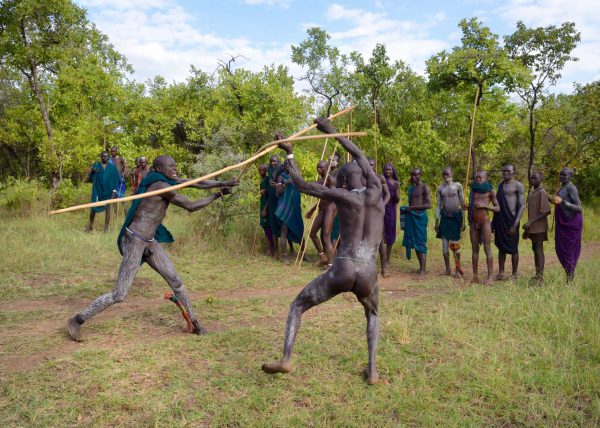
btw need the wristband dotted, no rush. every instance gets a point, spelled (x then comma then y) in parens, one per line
(290, 156)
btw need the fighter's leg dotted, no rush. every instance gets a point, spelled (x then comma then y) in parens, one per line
(157, 259)
(475, 235)
(367, 293)
(486, 238)
(132, 255)
(446, 254)
(336, 280)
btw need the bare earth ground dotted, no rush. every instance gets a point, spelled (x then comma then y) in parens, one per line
(51, 314)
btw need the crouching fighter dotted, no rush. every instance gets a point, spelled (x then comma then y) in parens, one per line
(140, 236)
(360, 207)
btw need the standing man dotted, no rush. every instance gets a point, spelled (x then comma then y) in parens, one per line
(449, 220)
(288, 212)
(264, 207)
(536, 228)
(390, 219)
(415, 226)
(324, 219)
(272, 200)
(140, 171)
(480, 228)
(105, 179)
(385, 195)
(121, 165)
(505, 225)
(360, 207)
(139, 240)
(569, 223)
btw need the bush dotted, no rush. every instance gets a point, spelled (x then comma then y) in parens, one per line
(67, 194)
(23, 196)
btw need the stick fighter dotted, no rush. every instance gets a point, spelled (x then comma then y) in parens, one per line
(360, 207)
(139, 241)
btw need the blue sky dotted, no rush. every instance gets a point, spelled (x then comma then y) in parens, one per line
(166, 36)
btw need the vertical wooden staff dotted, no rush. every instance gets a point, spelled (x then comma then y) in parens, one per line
(470, 145)
(300, 257)
(471, 138)
(376, 128)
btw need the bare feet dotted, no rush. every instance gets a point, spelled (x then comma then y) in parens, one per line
(371, 378)
(277, 367)
(447, 273)
(490, 280)
(475, 280)
(74, 329)
(198, 329)
(500, 277)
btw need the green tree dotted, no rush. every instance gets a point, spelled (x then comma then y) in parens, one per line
(544, 51)
(326, 67)
(479, 63)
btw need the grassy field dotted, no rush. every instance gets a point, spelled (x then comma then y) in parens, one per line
(450, 354)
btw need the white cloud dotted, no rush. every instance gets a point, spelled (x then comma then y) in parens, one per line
(160, 38)
(409, 41)
(284, 4)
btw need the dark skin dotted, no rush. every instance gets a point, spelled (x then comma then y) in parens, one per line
(152, 210)
(104, 161)
(450, 199)
(384, 256)
(420, 201)
(480, 230)
(360, 207)
(567, 197)
(395, 195)
(514, 193)
(140, 171)
(121, 167)
(262, 171)
(280, 186)
(535, 182)
(324, 219)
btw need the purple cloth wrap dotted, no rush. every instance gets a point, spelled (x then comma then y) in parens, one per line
(567, 238)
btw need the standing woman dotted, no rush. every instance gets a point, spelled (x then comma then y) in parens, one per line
(391, 208)
(569, 223)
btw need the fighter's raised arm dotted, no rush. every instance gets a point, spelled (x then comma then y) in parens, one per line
(209, 184)
(325, 125)
(312, 188)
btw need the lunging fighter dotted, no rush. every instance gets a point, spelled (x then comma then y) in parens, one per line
(360, 207)
(140, 236)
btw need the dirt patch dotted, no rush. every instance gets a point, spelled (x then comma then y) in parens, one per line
(399, 285)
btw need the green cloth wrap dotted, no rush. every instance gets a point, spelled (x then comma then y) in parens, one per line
(104, 182)
(161, 234)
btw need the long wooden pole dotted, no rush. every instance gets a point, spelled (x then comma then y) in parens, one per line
(268, 148)
(299, 133)
(471, 139)
(376, 127)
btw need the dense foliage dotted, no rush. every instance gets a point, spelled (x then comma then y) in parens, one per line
(66, 94)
